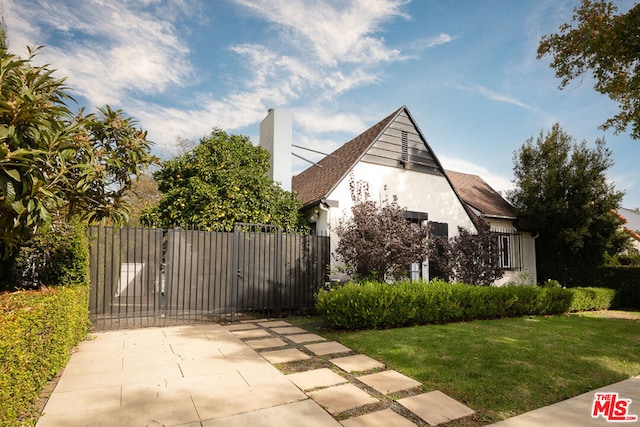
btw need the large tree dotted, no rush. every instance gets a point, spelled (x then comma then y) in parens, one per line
(563, 191)
(606, 44)
(55, 164)
(222, 181)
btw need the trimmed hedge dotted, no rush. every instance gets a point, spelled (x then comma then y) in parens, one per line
(624, 280)
(37, 331)
(373, 305)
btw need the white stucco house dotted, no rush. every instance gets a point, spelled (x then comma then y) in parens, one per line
(395, 159)
(631, 225)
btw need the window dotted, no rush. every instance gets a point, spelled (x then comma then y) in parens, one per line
(509, 250)
(417, 218)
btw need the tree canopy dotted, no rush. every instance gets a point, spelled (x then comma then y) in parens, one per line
(55, 164)
(563, 191)
(608, 45)
(222, 181)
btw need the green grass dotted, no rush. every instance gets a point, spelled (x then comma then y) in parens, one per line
(504, 367)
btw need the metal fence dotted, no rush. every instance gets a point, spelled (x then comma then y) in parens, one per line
(152, 277)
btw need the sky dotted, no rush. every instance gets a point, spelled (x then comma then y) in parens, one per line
(466, 69)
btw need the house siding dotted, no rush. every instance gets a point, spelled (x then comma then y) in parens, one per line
(416, 191)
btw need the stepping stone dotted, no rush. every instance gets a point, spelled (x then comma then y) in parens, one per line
(342, 398)
(389, 382)
(274, 324)
(240, 326)
(288, 330)
(251, 333)
(284, 356)
(330, 347)
(316, 378)
(265, 343)
(384, 418)
(254, 320)
(357, 363)
(436, 407)
(300, 338)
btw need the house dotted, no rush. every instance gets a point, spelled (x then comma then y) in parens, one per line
(631, 225)
(394, 158)
(516, 243)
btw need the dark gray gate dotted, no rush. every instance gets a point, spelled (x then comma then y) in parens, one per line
(147, 277)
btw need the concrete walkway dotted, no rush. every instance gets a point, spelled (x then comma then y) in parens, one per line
(212, 375)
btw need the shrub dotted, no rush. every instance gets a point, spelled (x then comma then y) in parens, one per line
(624, 280)
(37, 331)
(58, 257)
(374, 304)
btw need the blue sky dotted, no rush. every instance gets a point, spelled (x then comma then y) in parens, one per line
(467, 71)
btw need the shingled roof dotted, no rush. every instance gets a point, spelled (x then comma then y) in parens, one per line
(476, 193)
(315, 183)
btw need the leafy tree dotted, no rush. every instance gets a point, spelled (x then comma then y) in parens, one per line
(562, 190)
(222, 181)
(377, 241)
(54, 164)
(608, 45)
(468, 257)
(142, 195)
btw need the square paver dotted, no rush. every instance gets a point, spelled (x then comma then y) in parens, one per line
(389, 382)
(356, 363)
(288, 330)
(301, 338)
(316, 378)
(436, 407)
(342, 398)
(383, 418)
(251, 333)
(284, 356)
(329, 347)
(263, 343)
(304, 413)
(274, 324)
(240, 326)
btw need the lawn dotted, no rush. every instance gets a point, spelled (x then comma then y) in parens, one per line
(504, 367)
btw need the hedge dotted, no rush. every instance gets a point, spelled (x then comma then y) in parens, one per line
(38, 328)
(624, 280)
(57, 257)
(37, 331)
(372, 305)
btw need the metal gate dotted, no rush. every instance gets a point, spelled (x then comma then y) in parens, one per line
(150, 277)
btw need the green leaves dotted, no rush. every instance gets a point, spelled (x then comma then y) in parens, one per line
(220, 182)
(606, 45)
(563, 191)
(55, 165)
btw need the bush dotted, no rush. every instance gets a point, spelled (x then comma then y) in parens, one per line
(374, 304)
(58, 257)
(624, 280)
(37, 331)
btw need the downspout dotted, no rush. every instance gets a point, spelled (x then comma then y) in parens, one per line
(535, 261)
(322, 207)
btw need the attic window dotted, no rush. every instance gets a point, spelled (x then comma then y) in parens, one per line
(405, 148)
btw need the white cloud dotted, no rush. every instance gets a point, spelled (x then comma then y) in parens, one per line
(335, 32)
(107, 49)
(496, 181)
(318, 121)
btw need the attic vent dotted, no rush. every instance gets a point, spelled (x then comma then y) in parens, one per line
(405, 148)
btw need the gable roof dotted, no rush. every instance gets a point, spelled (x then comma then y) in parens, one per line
(316, 183)
(479, 195)
(632, 221)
